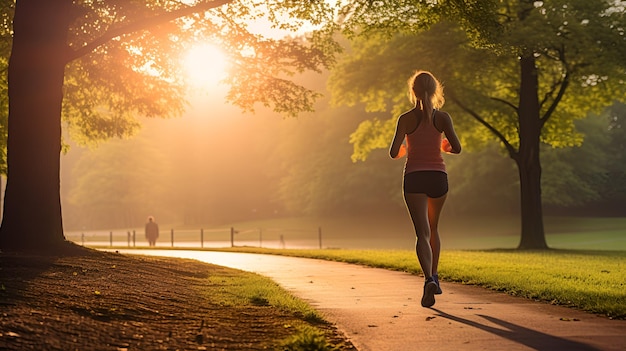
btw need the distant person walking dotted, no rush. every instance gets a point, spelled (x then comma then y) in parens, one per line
(425, 184)
(152, 231)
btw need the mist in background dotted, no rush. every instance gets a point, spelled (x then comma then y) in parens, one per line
(216, 165)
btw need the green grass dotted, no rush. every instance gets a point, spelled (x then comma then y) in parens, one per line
(593, 281)
(246, 288)
(307, 338)
(250, 288)
(585, 269)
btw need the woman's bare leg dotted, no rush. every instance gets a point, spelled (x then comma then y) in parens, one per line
(435, 205)
(417, 205)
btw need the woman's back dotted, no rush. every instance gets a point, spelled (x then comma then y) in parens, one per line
(424, 147)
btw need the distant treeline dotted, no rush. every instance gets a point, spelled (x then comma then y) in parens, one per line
(215, 165)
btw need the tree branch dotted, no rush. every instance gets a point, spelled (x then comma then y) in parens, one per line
(550, 92)
(559, 95)
(556, 101)
(506, 103)
(500, 136)
(144, 24)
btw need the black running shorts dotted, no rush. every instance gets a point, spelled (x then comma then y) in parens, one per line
(432, 183)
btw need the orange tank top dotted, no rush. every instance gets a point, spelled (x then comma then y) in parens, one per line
(424, 148)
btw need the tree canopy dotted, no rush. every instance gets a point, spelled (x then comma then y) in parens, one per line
(524, 70)
(124, 58)
(97, 65)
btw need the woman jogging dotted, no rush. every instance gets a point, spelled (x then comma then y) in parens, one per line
(425, 179)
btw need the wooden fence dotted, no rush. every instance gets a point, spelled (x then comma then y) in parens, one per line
(205, 238)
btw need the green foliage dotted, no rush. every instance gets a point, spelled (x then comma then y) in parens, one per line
(524, 70)
(473, 189)
(263, 65)
(176, 171)
(369, 136)
(6, 11)
(327, 182)
(308, 157)
(577, 45)
(310, 164)
(616, 189)
(575, 176)
(124, 60)
(591, 177)
(115, 189)
(366, 17)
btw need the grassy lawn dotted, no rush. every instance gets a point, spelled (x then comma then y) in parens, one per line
(585, 269)
(594, 281)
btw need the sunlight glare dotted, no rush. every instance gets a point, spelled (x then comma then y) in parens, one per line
(206, 65)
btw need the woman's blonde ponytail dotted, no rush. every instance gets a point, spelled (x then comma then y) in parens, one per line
(427, 107)
(427, 91)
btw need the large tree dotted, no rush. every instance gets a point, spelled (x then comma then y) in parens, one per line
(100, 63)
(524, 70)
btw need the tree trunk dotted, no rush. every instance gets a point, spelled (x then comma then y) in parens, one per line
(533, 235)
(32, 211)
(528, 162)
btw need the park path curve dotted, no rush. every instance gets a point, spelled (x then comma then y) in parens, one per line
(379, 310)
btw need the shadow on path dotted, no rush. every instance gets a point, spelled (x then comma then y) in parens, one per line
(531, 338)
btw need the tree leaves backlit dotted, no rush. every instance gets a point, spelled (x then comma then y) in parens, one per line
(124, 57)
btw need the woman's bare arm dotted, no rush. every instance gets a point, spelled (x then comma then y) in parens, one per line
(397, 149)
(450, 133)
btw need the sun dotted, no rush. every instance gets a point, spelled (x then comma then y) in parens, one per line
(205, 65)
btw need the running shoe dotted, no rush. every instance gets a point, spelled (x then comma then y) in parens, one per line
(430, 288)
(436, 279)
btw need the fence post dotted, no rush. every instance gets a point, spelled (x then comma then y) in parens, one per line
(172, 236)
(201, 237)
(82, 238)
(111, 239)
(319, 234)
(128, 238)
(134, 239)
(232, 237)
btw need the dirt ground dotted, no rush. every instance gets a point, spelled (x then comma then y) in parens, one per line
(90, 300)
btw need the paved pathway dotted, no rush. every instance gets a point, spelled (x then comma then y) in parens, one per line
(379, 310)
